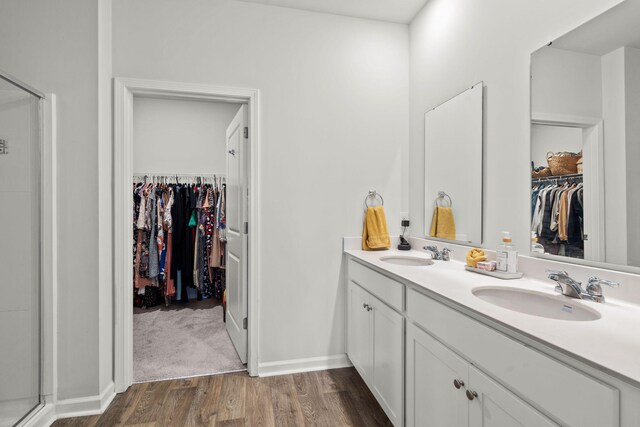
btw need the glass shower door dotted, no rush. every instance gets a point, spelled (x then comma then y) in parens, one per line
(20, 252)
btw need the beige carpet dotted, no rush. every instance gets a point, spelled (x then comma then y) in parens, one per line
(181, 341)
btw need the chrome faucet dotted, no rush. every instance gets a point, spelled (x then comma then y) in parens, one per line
(433, 250)
(573, 289)
(443, 255)
(566, 285)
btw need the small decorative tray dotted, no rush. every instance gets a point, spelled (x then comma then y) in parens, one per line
(495, 273)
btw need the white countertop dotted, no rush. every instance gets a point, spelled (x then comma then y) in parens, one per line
(611, 343)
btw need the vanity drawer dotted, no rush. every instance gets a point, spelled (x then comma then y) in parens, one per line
(570, 396)
(386, 289)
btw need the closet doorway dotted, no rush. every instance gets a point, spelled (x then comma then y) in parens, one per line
(189, 162)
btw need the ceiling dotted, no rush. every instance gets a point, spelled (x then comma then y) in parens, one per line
(615, 28)
(399, 11)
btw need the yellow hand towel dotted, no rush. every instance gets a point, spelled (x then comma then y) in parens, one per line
(474, 256)
(374, 232)
(442, 224)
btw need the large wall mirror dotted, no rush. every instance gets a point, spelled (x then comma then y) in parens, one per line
(585, 141)
(453, 169)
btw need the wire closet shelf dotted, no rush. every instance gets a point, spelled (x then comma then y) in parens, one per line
(555, 179)
(172, 178)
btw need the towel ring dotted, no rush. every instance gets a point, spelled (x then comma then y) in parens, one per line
(442, 196)
(372, 195)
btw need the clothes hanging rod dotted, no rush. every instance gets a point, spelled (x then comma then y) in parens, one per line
(179, 178)
(182, 175)
(573, 176)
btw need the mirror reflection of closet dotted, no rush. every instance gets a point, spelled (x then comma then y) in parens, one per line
(585, 98)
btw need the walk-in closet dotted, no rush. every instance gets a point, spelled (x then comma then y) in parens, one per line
(179, 225)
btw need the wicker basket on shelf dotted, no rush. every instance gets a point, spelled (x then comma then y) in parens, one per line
(541, 173)
(563, 163)
(579, 165)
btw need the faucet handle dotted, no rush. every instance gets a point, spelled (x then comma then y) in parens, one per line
(595, 290)
(599, 281)
(555, 274)
(431, 247)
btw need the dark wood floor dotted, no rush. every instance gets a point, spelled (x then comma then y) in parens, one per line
(337, 397)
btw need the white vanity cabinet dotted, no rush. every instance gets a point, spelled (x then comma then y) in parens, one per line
(445, 390)
(375, 346)
(429, 362)
(511, 380)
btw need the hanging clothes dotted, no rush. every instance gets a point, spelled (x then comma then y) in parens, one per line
(179, 240)
(558, 216)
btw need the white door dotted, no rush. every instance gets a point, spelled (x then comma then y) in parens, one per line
(236, 213)
(387, 360)
(433, 399)
(359, 330)
(494, 406)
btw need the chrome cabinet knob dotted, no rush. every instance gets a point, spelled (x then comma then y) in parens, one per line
(369, 308)
(458, 383)
(364, 305)
(232, 152)
(471, 394)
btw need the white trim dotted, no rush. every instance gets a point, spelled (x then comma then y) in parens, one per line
(84, 406)
(45, 414)
(42, 416)
(538, 118)
(294, 366)
(49, 292)
(124, 90)
(593, 143)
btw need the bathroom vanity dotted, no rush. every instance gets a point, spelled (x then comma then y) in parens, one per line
(438, 345)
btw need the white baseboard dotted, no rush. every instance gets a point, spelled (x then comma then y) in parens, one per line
(294, 366)
(84, 406)
(41, 417)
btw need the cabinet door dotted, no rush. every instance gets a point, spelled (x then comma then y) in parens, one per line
(494, 406)
(387, 351)
(359, 330)
(432, 399)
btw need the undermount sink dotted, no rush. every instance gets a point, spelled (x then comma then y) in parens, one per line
(536, 303)
(406, 260)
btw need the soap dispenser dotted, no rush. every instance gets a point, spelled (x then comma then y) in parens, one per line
(506, 255)
(536, 247)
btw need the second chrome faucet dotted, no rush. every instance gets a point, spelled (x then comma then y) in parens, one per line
(572, 288)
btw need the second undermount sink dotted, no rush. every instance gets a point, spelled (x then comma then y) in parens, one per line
(536, 303)
(406, 260)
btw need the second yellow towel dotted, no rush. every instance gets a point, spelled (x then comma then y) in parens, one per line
(442, 224)
(374, 231)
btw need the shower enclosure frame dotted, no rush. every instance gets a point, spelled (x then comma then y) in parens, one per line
(44, 412)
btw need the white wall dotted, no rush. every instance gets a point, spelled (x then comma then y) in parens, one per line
(53, 45)
(545, 138)
(566, 83)
(180, 136)
(456, 43)
(334, 124)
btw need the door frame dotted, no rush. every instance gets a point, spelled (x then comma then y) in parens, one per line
(124, 91)
(593, 143)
